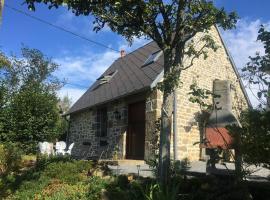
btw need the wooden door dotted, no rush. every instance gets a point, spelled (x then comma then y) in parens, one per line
(136, 131)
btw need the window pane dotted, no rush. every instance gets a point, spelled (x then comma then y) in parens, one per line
(102, 122)
(152, 58)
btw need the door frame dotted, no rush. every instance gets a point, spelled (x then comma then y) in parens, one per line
(128, 135)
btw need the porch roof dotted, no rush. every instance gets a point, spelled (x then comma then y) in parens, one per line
(131, 77)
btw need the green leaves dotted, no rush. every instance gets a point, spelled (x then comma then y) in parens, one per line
(255, 137)
(29, 110)
(257, 70)
(201, 96)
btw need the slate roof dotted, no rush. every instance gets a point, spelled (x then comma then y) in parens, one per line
(131, 77)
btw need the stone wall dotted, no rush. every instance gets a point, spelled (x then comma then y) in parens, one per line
(152, 115)
(203, 72)
(83, 129)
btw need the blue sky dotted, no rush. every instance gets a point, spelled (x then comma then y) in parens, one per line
(82, 62)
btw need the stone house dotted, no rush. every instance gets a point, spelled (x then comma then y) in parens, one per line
(116, 117)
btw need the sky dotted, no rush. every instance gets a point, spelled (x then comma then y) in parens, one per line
(82, 62)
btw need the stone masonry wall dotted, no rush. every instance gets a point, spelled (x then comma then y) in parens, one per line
(203, 72)
(83, 129)
(152, 114)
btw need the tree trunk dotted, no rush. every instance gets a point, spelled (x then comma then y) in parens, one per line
(238, 159)
(166, 122)
(165, 139)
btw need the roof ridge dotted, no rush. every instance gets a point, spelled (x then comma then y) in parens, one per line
(138, 48)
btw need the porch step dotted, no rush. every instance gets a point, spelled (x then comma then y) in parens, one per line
(125, 162)
(131, 162)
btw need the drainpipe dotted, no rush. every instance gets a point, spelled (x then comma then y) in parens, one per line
(175, 138)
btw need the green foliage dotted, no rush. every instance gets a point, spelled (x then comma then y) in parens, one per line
(257, 70)
(53, 178)
(255, 136)
(122, 188)
(29, 110)
(64, 178)
(10, 163)
(10, 158)
(95, 187)
(65, 104)
(157, 192)
(202, 97)
(171, 24)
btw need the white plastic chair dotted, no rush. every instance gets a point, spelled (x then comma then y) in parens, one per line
(60, 148)
(68, 152)
(42, 147)
(45, 148)
(49, 149)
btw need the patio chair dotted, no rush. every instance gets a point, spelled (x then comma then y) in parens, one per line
(45, 148)
(60, 148)
(49, 149)
(42, 147)
(68, 152)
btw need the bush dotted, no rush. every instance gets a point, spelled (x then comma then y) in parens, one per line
(54, 178)
(10, 158)
(95, 187)
(10, 161)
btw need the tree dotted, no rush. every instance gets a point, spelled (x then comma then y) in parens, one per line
(64, 105)
(255, 130)
(257, 70)
(29, 104)
(172, 25)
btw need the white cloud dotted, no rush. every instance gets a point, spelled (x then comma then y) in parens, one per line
(84, 68)
(73, 93)
(81, 71)
(242, 43)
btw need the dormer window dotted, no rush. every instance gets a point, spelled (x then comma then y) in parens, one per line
(152, 58)
(105, 79)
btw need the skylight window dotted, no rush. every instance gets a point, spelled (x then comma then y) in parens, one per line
(105, 79)
(152, 58)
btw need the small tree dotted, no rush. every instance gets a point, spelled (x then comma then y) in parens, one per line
(255, 131)
(172, 25)
(29, 105)
(257, 70)
(64, 105)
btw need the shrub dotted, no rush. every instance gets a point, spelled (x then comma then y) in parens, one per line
(10, 158)
(54, 178)
(95, 187)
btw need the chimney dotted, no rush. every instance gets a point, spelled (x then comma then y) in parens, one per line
(222, 114)
(216, 133)
(122, 53)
